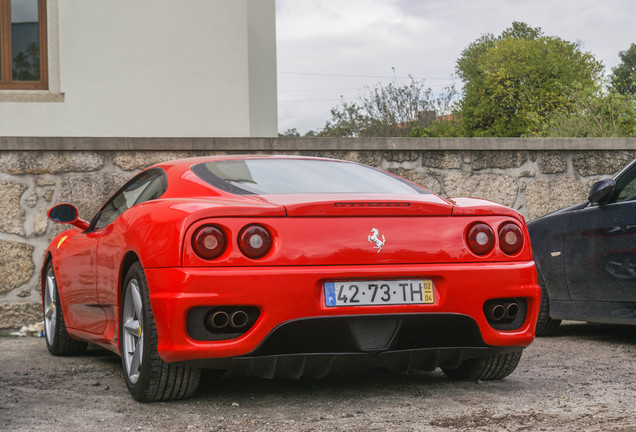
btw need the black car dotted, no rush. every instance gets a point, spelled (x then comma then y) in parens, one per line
(586, 256)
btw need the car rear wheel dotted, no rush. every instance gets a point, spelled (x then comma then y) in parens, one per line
(545, 325)
(147, 376)
(58, 341)
(493, 367)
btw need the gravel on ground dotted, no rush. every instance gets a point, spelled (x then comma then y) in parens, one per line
(582, 379)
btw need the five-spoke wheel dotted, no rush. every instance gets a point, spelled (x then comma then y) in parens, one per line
(132, 341)
(58, 340)
(50, 301)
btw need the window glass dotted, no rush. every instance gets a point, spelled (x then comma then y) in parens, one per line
(147, 186)
(626, 186)
(25, 40)
(23, 60)
(297, 176)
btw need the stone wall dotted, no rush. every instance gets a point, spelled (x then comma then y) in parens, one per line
(532, 176)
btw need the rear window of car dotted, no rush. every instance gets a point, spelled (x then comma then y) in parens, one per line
(300, 176)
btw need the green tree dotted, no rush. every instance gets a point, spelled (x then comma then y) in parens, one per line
(390, 110)
(446, 127)
(293, 133)
(598, 113)
(624, 75)
(289, 133)
(515, 82)
(347, 120)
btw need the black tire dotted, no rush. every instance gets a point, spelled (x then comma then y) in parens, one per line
(58, 341)
(147, 377)
(493, 367)
(545, 325)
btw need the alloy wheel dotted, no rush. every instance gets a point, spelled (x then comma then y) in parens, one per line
(50, 293)
(133, 334)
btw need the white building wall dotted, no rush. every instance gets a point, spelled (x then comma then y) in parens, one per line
(189, 68)
(261, 30)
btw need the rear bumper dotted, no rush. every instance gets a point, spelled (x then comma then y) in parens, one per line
(318, 365)
(291, 295)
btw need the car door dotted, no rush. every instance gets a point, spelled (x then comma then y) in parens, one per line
(600, 245)
(83, 264)
(76, 274)
(110, 227)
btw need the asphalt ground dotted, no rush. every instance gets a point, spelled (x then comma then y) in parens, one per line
(583, 379)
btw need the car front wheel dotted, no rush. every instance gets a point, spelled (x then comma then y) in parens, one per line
(58, 341)
(147, 376)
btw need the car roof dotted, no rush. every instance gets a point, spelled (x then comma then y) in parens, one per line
(184, 182)
(187, 163)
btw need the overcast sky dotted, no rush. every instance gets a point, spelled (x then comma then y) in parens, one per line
(328, 49)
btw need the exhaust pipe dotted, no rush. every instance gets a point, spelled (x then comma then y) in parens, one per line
(239, 319)
(512, 310)
(220, 319)
(496, 312)
(505, 313)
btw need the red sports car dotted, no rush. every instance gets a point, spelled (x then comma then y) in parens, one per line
(288, 266)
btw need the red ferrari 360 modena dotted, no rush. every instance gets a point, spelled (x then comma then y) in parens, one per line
(288, 266)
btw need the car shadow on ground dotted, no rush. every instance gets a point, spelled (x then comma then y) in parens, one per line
(611, 333)
(216, 385)
(377, 378)
(377, 383)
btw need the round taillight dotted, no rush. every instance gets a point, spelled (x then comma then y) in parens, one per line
(510, 238)
(208, 242)
(254, 241)
(481, 238)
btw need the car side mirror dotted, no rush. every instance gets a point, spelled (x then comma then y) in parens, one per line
(601, 191)
(66, 213)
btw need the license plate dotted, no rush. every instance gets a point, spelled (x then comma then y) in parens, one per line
(387, 292)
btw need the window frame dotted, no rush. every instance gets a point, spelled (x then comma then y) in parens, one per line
(626, 178)
(156, 174)
(6, 56)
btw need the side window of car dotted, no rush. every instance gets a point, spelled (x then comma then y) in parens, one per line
(146, 186)
(154, 190)
(625, 187)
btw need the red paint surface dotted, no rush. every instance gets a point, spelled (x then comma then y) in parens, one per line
(316, 238)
